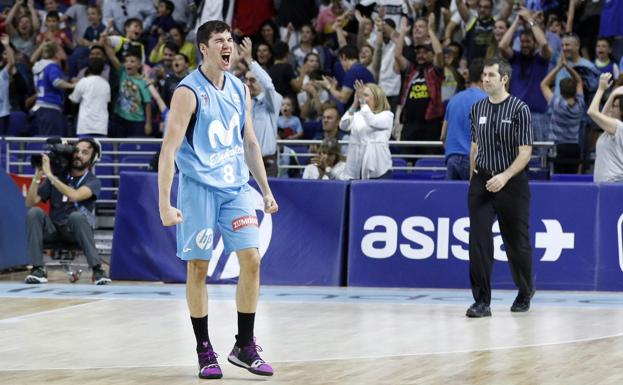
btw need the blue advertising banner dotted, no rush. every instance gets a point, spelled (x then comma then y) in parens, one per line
(415, 234)
(12, 224)
(308, 210)
(610, 233)
(142, 248)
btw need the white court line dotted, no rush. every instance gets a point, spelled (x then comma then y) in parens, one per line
(464, 351)
(51, 311)
(342, 358)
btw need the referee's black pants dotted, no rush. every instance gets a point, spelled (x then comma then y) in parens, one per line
(512, 207)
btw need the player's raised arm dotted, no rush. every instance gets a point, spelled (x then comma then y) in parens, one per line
(183, 105)
(253, 158)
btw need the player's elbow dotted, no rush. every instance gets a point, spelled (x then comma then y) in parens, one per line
(251, 146)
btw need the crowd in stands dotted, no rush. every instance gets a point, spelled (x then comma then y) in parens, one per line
(109, 68)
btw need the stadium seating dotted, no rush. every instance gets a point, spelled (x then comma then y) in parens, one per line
(139, 147)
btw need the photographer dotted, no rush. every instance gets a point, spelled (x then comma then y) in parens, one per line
(72, 194)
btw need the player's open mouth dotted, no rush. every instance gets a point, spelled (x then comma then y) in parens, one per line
(225, 58)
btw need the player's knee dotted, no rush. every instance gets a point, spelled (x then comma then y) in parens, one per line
(197, 270)
(249, 261)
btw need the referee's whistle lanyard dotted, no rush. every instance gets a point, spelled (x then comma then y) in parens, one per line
(75, 186)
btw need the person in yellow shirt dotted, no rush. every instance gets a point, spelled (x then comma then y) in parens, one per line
(176, 35)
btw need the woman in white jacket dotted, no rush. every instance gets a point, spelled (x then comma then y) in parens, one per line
(369, 122)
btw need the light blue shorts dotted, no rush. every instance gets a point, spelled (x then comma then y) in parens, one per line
(203, 208)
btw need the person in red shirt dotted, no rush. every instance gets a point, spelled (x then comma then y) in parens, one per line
(54, 33)
(249, 15)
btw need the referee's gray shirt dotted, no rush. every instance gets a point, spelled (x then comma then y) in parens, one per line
(499, 129)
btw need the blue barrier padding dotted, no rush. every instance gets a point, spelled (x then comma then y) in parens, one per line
(416, 235)
(609, 231)
(142, 248)
(307, 237)
(303, 244)
(12, 224)
(563, 217)
(400, 234)
(572, 178)
(379, 212)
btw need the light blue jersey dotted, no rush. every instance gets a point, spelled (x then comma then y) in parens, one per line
(213, 192)
(212, 152)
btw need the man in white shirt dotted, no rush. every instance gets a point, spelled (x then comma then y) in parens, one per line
(384, 62)
(93, 94)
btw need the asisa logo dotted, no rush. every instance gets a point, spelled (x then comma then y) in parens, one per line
(231, 269)
(224, 136)
(420, 237)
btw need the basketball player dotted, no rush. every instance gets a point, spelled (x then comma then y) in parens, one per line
(210, 135)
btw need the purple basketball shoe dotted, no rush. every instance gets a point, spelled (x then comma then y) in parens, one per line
(248, 357)
(208, 365)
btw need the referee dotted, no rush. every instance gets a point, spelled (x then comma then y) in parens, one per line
(500, 150)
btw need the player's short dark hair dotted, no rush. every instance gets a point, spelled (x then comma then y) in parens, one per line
(53, 15)
(504, 68)
(207, 29)
(168, 5)
(475, 70)
(568, 87)
(349, 52)
(281, 50)
(96, 66)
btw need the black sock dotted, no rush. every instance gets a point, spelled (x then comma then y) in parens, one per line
(200, 327)
(245, 328)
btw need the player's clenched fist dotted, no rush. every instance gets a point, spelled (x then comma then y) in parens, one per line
(270, 205)
(170, 216)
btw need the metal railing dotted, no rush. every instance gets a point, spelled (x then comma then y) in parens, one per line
(16, 156)
(15, 153)
(543, 160)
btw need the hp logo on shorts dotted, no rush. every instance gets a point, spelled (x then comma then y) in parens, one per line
(204, 239)
(231, 269)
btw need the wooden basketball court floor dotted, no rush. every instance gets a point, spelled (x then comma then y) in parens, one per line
(132, 333)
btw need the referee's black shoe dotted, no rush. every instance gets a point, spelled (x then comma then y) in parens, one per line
(478, 310)
(522, 303)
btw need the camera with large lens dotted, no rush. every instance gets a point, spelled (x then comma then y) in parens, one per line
(61, 156)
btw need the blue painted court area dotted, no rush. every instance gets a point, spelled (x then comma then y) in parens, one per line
(308, 294)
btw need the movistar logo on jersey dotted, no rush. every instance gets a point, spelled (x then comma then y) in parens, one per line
(224, 136)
